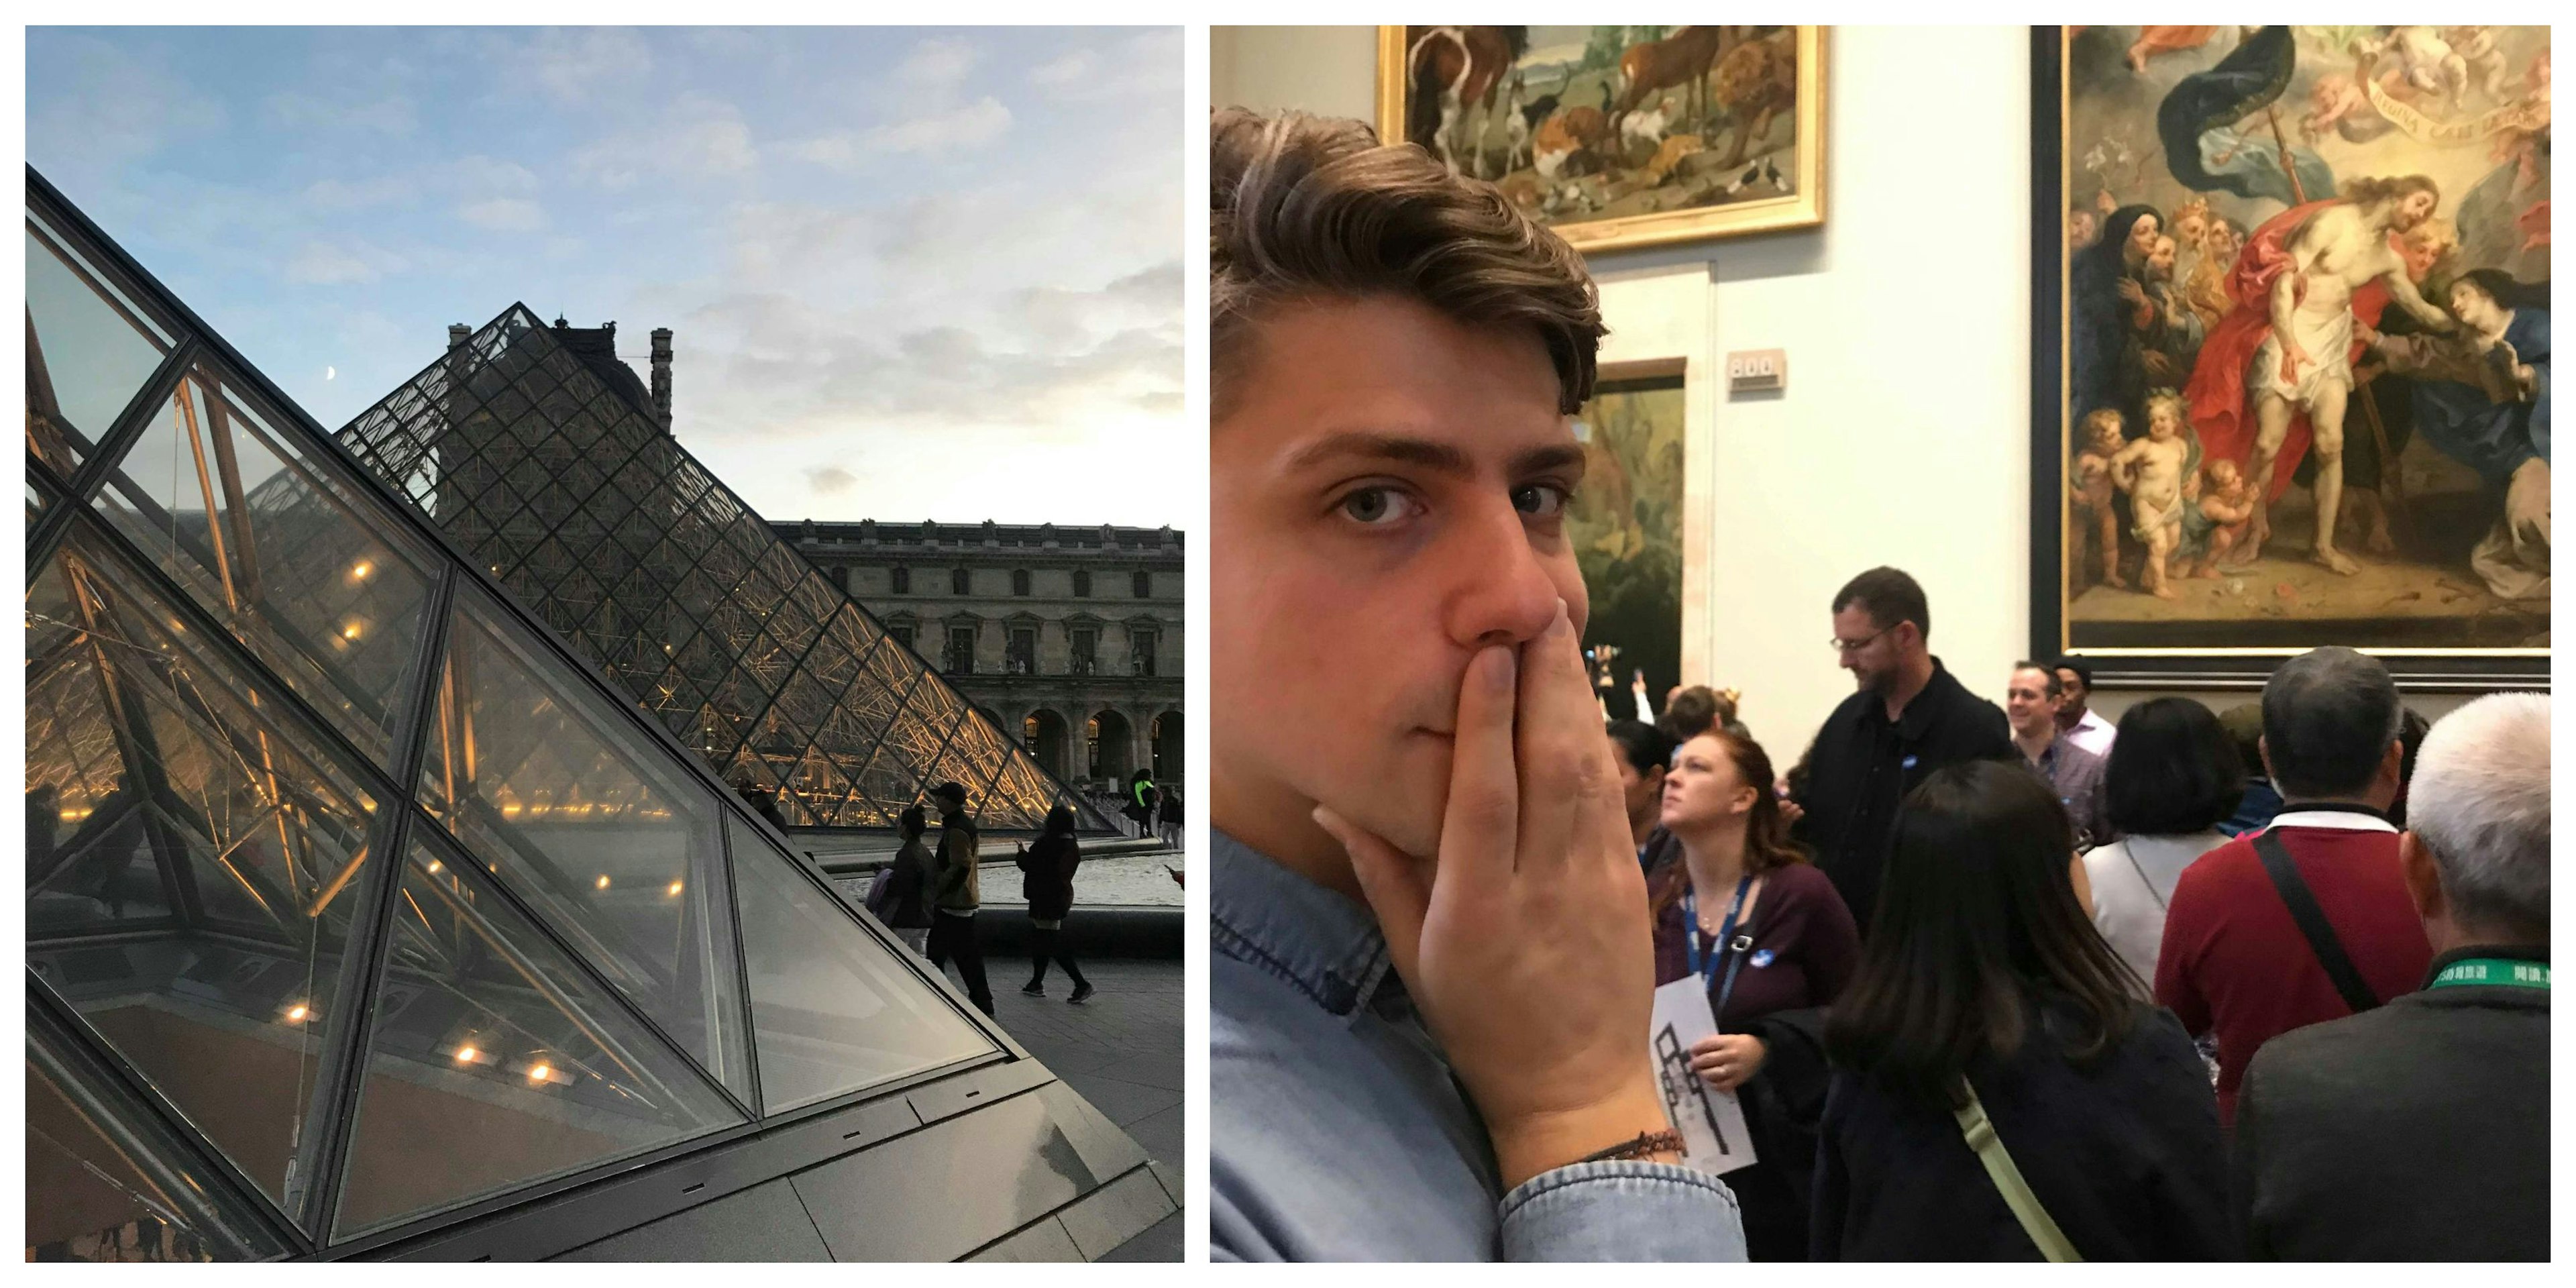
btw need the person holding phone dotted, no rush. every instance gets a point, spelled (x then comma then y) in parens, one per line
(1429, 983)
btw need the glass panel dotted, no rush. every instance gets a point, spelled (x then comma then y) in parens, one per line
(597, 828)
(495, 1062)
(197, 804)
(89, 350)
(106, 1182)
(317, 580)
(833, 1010)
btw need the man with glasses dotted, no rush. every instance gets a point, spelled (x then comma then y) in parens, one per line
(1909, 718)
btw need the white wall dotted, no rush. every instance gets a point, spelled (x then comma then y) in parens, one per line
(1902, 436)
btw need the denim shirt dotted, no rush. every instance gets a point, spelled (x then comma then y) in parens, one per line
(1340, 1134)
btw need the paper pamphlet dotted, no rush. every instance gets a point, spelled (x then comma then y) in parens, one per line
(1711, 1122)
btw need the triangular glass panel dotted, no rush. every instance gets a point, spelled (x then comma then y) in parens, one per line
(190, 791)
(495, 1062)
(115, 1184)
(703, 565)
(594, 825)
(90, 350)
(833, 1010)
(266, 536)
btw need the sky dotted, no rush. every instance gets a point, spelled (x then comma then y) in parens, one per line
(910, 273)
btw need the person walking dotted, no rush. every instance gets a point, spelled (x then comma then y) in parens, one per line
(1046, 867)
(901, 896)
(2173, 778)
(1772, 942)
(2002, 1089)
(958, 896)
(1142, 796)
(2420, 1130)
(1171, 817)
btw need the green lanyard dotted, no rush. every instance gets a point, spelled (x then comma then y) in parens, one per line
(2470, 971)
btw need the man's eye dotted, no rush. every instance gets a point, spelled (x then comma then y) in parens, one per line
(1374, 505)
(1540, 500)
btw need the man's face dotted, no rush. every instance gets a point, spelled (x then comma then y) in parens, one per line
(1872, 664)
(2414, 209)
(2072, 703)
(2080, 229)
(2027, 704)
(2160, 261)
(1386, 496)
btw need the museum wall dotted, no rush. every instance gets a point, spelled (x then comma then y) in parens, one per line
(1900, 438)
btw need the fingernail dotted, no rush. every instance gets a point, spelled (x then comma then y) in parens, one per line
(1326, 820)
(1499, 663)
(1564, 623)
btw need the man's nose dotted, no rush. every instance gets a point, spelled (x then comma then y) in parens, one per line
(1502, 591)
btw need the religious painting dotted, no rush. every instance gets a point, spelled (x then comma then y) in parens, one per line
(1625, 525)
(2291, 348)
(1620, 136)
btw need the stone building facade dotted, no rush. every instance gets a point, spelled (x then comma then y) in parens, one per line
(1070, 637)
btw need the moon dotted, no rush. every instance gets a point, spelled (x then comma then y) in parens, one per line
(330, 373)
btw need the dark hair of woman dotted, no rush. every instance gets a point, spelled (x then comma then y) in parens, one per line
(1059, 821)
(1977, 927)
(1642, 745)
(2174, 770)
(2505, 289)
(1766, 836)
(912, 821)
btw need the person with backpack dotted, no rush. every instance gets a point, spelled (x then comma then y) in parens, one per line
(2002, 1088)
(1046, 866)
(1142, 796)
(898, 896)
(2307, 920)
(958, 896)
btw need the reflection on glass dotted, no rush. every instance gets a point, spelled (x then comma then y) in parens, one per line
(599, 830)
(167, 794)
(576, 497)
(494, 1062)
(89, 350)
(104, 1183)
(314, 577)
(833, 1010)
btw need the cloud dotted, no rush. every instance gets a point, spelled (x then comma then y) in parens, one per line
(830, 479)
(960, 129)
(504, 214)
(320, 263)
(936, 64)
(296, 110)
(698, 138)
(1065, 69)
(574, 66)
(464, 180)
(102, 105)
(1146, 65)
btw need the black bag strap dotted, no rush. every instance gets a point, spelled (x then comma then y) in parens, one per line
(2312, 921)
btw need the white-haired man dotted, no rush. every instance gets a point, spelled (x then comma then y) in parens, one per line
(2419, 1131)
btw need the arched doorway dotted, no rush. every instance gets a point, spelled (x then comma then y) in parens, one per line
(1043, 733)
(1167, 747)
(1112, 751)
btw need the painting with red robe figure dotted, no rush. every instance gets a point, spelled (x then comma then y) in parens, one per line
(2301, 339)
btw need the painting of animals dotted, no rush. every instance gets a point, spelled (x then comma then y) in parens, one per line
(1620, 136)
(2297, 326)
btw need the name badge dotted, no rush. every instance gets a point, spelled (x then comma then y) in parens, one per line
(1908, 763)
(1761, 959)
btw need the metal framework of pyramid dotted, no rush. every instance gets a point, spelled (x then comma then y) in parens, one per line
(552, 471)
(364, 918)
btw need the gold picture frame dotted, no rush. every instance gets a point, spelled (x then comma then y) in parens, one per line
(1616, 183)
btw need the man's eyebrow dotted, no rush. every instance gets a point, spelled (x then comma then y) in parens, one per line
(1383, 447)
(1554, 456)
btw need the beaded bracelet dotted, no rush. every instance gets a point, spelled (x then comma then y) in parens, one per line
(1646, 1143)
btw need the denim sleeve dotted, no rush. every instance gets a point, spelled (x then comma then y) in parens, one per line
(1622, 1212)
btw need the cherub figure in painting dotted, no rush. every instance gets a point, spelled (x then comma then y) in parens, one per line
(2091, 490)
(2226, 511)
(2153, 471)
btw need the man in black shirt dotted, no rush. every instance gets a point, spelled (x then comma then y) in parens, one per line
(1909, 718)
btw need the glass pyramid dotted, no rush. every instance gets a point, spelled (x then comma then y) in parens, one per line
(357, 905)
(541, 456)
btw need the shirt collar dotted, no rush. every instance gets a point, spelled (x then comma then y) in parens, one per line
(2335, 817)
(2509, 952)
(1263, 914)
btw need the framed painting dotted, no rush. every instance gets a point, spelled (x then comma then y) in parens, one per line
(1620, 136)
(1626, 527)
(2290, 356)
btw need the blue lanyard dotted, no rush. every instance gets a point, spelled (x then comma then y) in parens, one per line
(1727, 948)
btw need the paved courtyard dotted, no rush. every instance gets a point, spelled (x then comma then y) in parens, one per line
(1121, 1050)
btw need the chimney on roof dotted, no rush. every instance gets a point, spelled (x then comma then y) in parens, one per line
(662, 374)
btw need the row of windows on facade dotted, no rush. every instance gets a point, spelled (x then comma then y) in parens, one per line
(1020, 650)
(960, 584)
